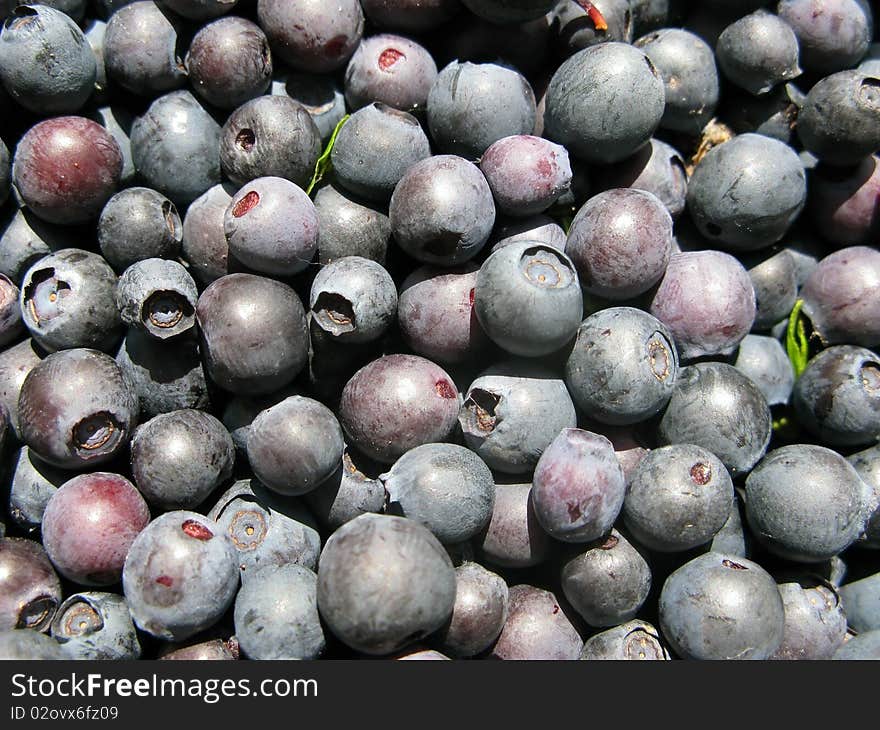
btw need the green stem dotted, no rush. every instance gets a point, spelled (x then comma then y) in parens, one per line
(323, 165)
(797, 344)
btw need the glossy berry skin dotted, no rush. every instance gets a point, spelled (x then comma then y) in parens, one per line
(175, 147)
(295, 445)
(77, 409)
(596, 85)
(608, 582)
(512, 412)
(396, 403)
(721, 607)
(31, 590)
(578, 486)
(620, 242)
(136, 224)
(33, 484)
(89, 525)
(435, 314)
(199, 9)
(758, 52)
(276, 614)
(270, 136)
(348, 226)
(842, 203)
(623, 366)
(384, 582)
(536, 628)
(837, 397)
(272, 227)
(479, 614)
(96, 626)
(528, 299)
(241, 410)
(68, 300)
(632, 641)
(442, 211)
(166, 376)
(805, 503)
(840, 119)
(141, 49)
(44, 83)
(27, 644)
(66, 168)
(310, 35)
(470, 106)
(771, 192)
(179, 458)
(833, 35)
(117, 121)
(15, 363)
(656, 168)
(815, 622)
(346, 494)
(687, 65)
(157, 296)
(445, 487)
(536, 229)
(229, 62)
(763, 361)
(266, 529)
(204, 246)
(678, 498)
(180, 575)
(254, 337)
(718, 408)
(840, 297)
(374, 149)
(390, 69)
(707, 301)
(353, 299)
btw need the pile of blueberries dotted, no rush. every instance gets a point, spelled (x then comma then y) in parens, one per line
(428, 329)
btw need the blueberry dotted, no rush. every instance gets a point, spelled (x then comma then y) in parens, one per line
(687, 66)
(508, 11)
(514, 538)
(254, 337)
(763, 361)
(66, 168)
(276, 614)
(27, 644)
(861, 603)
(634, 640)
(815, 621)
(180, 575)
(199, 9)
(211, 650)
(142, 49)
(843, 203)
(384, 582)
(758, 51)
(348, 226)
(346, 494)
(411, 16)
(270, 136)
(479, 614)
(11, 325)
(271, 226)
(721, 607)
(46, 83)
(203, 245)
(265, 528)
(774, 278)
(512, 412)
(534, 229)
(770, 187)
(76, 9)
(840, 119)
(718, 408)
(166, 376)
(390, 69)
(840, 297)
(605, 102)
(528, 299)
(31, 590)
(96, 626)
(648, 15)
(679, 498)
(25, 240)
(319, 94)
(136, 224)
(240, 411)
(578, 30)
(536, 628)
(865, 646)
(773, 114)
(805, 503)
(175, 147)
(396, 403)
(833, 34)
(470, 106)
(76, 409)
(867, 464)
(295, 445)
(442, 210)
(157, 296)
(608, 582)
(309, 35)
(15, 363)
(33, 484)
(117, 120)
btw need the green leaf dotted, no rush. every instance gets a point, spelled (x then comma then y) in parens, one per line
(797, 343)
(323, 165)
